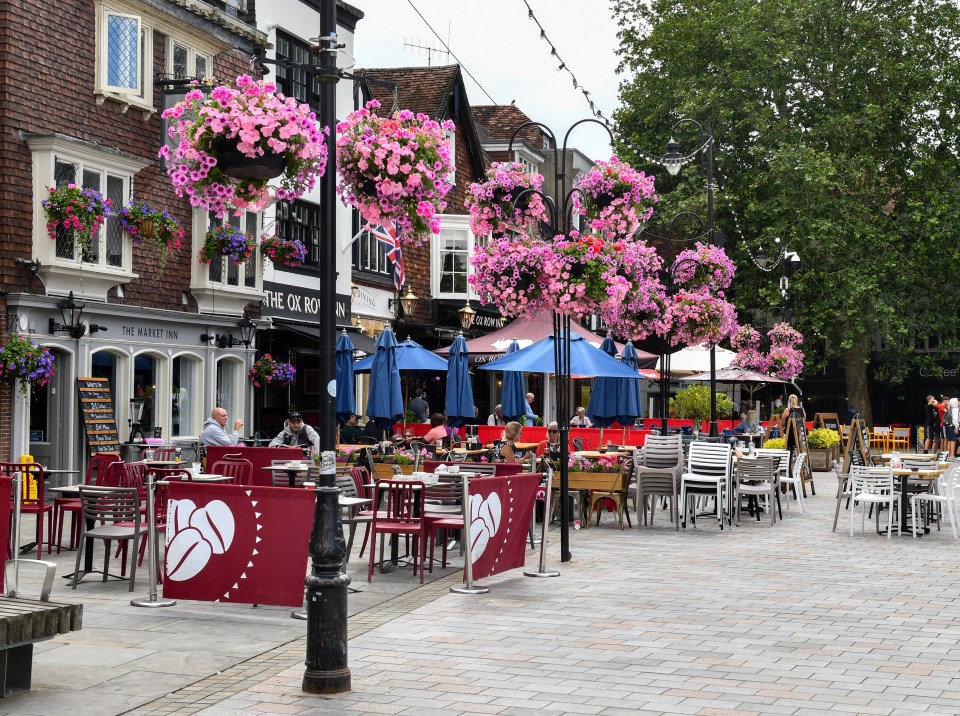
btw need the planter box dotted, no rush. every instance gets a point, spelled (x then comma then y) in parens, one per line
(822, 458)
(384, 471)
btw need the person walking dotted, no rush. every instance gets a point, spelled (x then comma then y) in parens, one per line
(297, 433)
(215, 432)
(951, 419)
(529, 415)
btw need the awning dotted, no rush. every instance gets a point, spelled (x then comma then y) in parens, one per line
(361, 342)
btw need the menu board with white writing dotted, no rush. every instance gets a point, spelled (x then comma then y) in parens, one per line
(96, 413)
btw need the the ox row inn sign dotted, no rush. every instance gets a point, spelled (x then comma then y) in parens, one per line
(301, 304)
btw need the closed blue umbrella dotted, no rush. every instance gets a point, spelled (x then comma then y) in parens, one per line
(602, 409)
(585, 360)
(513, 401)
(346, 405)
(629, 404)
(385, 404)
(459, 403)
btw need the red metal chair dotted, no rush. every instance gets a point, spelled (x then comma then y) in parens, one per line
(164, 453)
(32, 476)
(361, 482)
(240, 469)
(100, 464)
(402, 514)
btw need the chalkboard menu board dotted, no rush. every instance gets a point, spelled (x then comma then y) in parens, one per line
(96, 412)
(796, 441)
(858, 445)
(830, 421)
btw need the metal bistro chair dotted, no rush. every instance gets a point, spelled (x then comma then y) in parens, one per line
(241, 470)
(31, 474)
(98, 468)
(115, 514)
(946, 495)
(873, 486)
(757, 477)
(707, 474)
(403, 513)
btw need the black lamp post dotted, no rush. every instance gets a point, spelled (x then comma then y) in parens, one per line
(673, 161)
(327, 671)
(560, 222)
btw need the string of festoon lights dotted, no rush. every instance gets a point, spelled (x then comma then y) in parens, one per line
(647, 156)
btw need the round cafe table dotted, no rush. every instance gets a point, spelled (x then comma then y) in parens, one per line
(906, 474)
(291, 468)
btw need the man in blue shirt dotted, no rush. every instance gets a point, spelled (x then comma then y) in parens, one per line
(530, 416)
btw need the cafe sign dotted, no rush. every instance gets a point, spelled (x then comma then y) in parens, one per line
(302, 304)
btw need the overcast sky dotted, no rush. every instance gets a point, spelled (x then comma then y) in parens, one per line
(500, 46)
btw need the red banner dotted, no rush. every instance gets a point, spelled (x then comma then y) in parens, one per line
(237, 543)
(500, 511)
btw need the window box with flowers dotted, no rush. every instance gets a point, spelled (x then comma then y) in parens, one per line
(71, 208)
(226, 240)
(283, 252)
(24, 361)
(383, 467)
(161, 232)
(267, 371)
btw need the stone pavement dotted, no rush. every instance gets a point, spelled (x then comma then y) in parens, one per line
(792, 619)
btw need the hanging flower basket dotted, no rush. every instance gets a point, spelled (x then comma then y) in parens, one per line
(643, 310)
(704, 267)
(589, 279)
(228, 241)
(395, 169)
(285, 252)
(517, 276)
(615, 198)
(786, 361)
(160, 230)
(267, 371)
(232, 142)
(21, 359)
(785, 334)
(73, 208)
(698, 317)
(496, 205)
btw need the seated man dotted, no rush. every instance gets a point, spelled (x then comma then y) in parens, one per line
(551, 446)
(296, 433)
(350, 430)
(214, 429)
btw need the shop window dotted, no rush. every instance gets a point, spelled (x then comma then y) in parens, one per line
(295, 80)
(145, 388)
(229, 389)
(186, 399)
(300, 220)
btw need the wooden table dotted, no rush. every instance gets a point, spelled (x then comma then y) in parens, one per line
(525, 446)
(927, 457)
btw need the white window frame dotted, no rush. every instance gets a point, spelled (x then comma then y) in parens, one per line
(221, 296)
(87, 279)
(531, 166)
(452, 222)
(140, 96)
(451, 135)
(192, 54)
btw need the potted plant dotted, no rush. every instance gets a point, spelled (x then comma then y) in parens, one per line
(232, 141)
(496, 205)
(615, 197)
(160, 230)
(229, 241)
(21, 359)
(395, 169)
(776, 444)
(404, 459)
(823, 447)
(267, 371)
(72, 208)
(281, 251)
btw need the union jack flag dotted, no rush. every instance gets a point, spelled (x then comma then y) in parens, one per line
(387, 238)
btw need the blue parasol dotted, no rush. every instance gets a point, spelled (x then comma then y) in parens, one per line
(629, 404)
(459, 403)
(385, 404)
(346, 405)
(585, 360)
(602, 409)
(513, 401)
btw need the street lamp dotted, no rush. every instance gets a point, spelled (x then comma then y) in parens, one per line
(70, 313)
(559, 223)
(674, 160)
(407, 302)
(467, 316)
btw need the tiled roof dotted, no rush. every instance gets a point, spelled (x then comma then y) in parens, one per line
(498, 122)
(419, 89)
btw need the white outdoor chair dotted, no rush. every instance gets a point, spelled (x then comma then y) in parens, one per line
(707, 473)
(782, 467)
(946, 495)
(757, 477)
(873, 486)
(657, 469)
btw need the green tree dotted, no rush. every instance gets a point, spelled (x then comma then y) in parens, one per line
(836, 128)
(694, 403)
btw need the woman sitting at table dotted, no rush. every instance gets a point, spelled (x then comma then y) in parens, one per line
(749, 424)
(438, 430)
(506, 449)
(580, 420)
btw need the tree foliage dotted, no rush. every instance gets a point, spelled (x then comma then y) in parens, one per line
(836, 129)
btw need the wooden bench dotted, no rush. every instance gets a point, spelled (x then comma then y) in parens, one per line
(24, 622)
